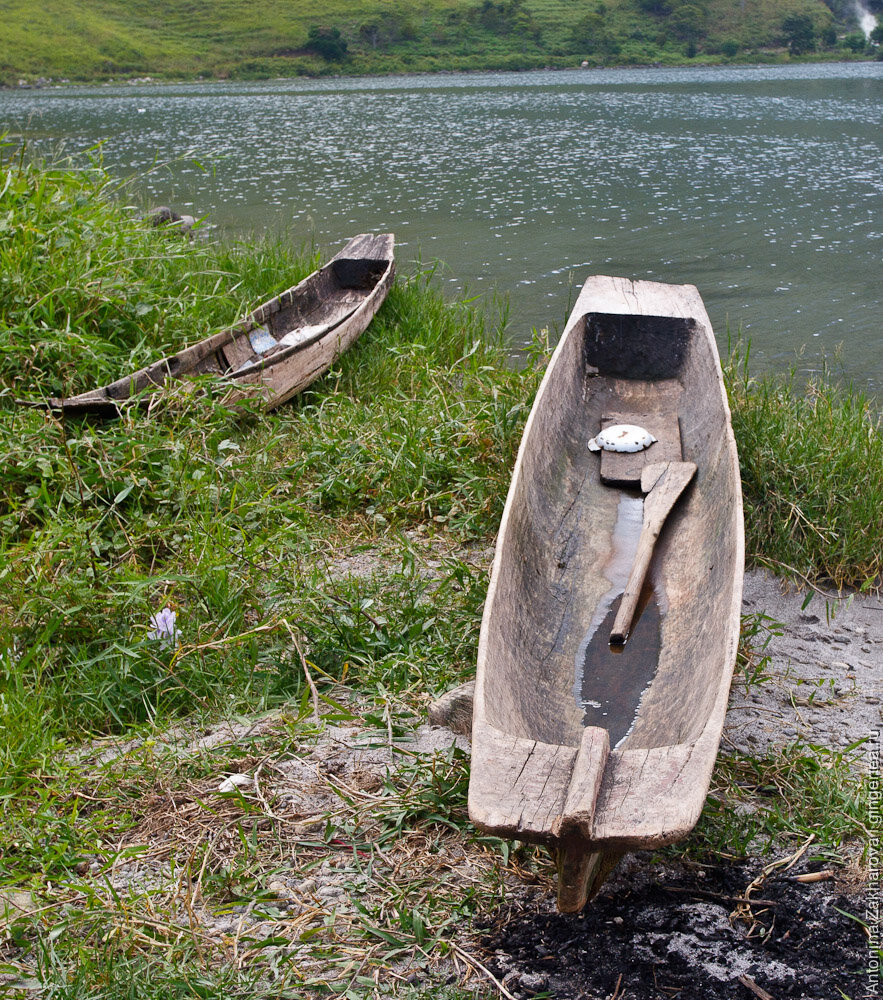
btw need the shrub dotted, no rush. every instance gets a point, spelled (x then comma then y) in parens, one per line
(327, 43)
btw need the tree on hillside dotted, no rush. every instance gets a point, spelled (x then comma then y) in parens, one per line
(370, 32)
(327, 43)
(658, 7)
(843, 10)
(387, 29)
(800, 33)
(506, 17)
(688, 19)
(590, 35)
(855, 41)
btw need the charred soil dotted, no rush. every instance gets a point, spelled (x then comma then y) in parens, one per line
(679, 932)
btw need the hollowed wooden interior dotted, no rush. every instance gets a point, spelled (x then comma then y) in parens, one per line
(556, 540)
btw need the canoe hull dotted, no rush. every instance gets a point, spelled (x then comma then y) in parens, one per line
(572, 742)
(278, 349)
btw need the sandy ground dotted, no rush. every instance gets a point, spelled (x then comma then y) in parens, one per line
(824, 682)
(669, 929)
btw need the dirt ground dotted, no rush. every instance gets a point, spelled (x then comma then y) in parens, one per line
(824, 684)
(667, 931)
(675, 930)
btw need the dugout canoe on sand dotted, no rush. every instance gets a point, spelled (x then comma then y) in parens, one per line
(278, 349)
(612, 619)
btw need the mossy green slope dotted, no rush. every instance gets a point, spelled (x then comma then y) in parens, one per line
(98, 39)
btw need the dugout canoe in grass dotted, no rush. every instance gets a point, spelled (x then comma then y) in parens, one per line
(278, 349)
(594, 747)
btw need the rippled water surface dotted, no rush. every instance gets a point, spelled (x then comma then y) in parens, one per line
(763, 186)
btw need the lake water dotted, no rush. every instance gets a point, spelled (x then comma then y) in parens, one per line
(762, 186)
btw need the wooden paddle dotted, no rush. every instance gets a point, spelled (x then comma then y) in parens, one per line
(663, 482)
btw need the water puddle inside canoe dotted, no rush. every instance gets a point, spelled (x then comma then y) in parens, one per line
(614, 678)
(610, 681)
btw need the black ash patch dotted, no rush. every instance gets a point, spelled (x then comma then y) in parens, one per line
(663, 931)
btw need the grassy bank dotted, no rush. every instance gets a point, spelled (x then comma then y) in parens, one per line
(812, 475)
(327, 560)
(239, 524)
(63, 39)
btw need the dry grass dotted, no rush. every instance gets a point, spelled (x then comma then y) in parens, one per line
(348, 856)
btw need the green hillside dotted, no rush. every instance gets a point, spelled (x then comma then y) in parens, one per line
(100, 39)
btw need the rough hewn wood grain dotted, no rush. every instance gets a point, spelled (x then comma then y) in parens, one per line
(585, 783)
(555, 579)
(581, 873)
(518, 787)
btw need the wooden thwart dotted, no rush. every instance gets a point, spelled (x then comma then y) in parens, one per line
(578, 867)
(585, 783)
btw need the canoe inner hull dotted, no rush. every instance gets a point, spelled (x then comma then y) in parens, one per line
(283, 345)
(570, 544)
(548, 681)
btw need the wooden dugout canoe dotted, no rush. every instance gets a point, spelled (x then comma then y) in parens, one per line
(591, 750)
(278, 349)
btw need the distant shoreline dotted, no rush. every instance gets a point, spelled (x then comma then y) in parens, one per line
(776, 59)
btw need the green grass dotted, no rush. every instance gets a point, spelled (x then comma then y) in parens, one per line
(237, 523)
(787, 795)
(246, 525)
(102, 525)
(188, 38)
(812, 474)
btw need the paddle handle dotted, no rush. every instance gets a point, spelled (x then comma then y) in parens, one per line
(663, 483)
(623, 622)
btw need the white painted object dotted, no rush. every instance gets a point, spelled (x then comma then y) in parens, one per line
(622, 437)
(262, 340)
(235, 781)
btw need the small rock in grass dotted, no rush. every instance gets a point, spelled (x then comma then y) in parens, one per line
(234, 781)
(533, 981)
(454, 709)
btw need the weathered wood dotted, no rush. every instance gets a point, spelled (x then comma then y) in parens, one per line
(453, 709)
(518, 787)
(581, 873)
(565, 549)
(660, 417)
(663, 483)
(585, 783)
(577, 869)
(578, 866)
(277, 350)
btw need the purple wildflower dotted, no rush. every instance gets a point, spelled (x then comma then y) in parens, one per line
(163, 623)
